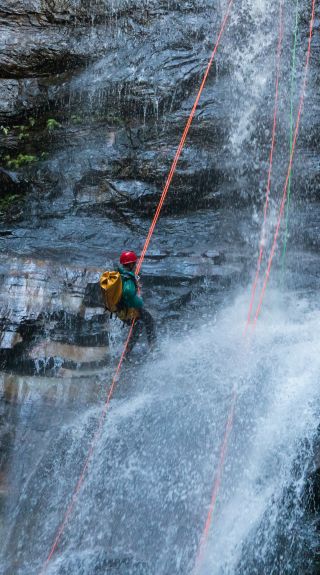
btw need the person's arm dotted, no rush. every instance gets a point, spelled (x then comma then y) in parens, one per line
(129, 294)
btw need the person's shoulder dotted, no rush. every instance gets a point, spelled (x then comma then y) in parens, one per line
(128, 276)
(128, 282)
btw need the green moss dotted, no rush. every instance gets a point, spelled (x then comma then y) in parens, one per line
(52, 124)
(20, 160)
(23, 135)
(115, 121)
(76, 119)
(5, 130)
(9, 201)
(23, 131)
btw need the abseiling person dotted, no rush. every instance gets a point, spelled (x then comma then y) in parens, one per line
(120, 291)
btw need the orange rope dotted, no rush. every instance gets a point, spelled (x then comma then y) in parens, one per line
(151, 230)
(265, 211)
(216, 486)
(284, 195)
(94, 442)
(229, 425)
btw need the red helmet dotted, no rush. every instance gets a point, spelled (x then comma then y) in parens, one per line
(128, 258)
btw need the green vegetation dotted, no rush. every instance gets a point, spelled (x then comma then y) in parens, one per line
(23, 132)
(24, 129)
(8, 201)
(52, 124)
(76, 119)
(5, 130)
(115, 120)
(27, 133)
(20, 160)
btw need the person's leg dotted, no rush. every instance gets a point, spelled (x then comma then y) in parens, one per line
(136, 333)
(148, 321)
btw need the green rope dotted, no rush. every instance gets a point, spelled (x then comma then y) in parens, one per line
(293, 74)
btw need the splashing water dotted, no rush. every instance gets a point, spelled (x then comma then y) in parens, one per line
(148, 489)
(144, 503)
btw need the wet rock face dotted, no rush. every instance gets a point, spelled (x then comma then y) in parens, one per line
(38, 39)
(41, 39)
(142, 62)
(45, 325)
(101, 169)
(11, 183)
(53, 320)
(94, 98)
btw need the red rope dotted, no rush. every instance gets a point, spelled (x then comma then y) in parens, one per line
(265, 211)
(284, 195)
(216, 486)
(148, 239)
(94, 442)
(229, 425)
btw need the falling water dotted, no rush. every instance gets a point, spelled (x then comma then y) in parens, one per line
(144, 503)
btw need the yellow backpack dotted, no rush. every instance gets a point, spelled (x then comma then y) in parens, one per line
(111, 287)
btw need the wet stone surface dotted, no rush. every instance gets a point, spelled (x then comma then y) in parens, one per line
(94, 97)
(53, 318)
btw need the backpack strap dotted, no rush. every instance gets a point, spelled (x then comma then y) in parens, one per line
(129, 276)
(125, 277)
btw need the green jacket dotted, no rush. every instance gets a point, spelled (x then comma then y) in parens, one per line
(129, 289)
